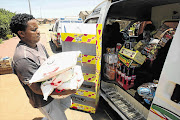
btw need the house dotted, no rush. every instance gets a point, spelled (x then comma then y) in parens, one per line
(49, 21)
(84, 14)
(46, 20)
(40, 20)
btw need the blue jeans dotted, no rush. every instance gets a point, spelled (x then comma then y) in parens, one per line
(55, 109)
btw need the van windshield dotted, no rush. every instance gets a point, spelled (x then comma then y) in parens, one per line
(123, 23)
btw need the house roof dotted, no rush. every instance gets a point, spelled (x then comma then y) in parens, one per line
(39, 19)
(85, 12)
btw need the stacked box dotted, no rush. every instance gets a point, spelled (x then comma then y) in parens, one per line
(128, 60)
(134, 55)
(89, 43)
(5, 66)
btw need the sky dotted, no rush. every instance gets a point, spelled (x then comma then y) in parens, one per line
(49, 8)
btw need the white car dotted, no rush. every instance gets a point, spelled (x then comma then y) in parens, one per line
(57, 29)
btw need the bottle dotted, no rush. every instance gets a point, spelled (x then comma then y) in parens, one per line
(108, 50)
(118, 72)
(123, 74)
(112, 56)
(133, 76)
(118, 47)
(107, 67)
(129, 76)
(112, 72)
(126, 77)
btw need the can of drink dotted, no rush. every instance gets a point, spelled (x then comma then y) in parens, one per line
(118, 47)
(108, 50)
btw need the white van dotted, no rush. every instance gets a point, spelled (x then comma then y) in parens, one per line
(57, 29)
(127, 102)
(144, 82)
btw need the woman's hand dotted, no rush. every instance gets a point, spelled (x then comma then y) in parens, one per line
(63, 92)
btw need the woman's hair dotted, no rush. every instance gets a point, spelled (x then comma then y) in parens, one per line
(19, 22)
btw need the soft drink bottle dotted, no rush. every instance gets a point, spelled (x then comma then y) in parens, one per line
(123, 74)
(133, 77)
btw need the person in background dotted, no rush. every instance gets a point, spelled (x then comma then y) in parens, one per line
(28, 57)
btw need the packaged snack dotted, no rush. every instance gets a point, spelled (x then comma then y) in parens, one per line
(147, 90)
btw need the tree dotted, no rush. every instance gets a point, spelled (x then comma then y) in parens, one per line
(5, 19)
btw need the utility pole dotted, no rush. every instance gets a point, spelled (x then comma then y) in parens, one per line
(29, 6)
(40, 13)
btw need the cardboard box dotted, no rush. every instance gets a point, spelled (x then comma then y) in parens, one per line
(83, 103)
(5, 66)
(134, 55)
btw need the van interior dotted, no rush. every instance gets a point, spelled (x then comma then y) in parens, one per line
(134, 17)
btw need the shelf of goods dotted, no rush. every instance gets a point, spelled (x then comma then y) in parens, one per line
(87, 97)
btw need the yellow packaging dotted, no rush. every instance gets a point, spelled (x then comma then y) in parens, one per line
(134, 55)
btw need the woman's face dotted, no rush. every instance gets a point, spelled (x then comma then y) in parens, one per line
(31, 34)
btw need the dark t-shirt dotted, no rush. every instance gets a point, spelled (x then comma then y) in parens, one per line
(26, 61)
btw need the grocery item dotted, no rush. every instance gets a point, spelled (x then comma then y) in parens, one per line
(54, 65)
(166, 37)
(118, 47)
(110, 57)
(125, 76)
(147, 90)
(73, 83)
(134, 55)
(110, 71)
(161, 31)
(5, 65)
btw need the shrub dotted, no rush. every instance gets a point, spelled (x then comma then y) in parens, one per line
(1, 40)
(8, 37)
(5, 18)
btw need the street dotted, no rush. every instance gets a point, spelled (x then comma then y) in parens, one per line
(14, 102)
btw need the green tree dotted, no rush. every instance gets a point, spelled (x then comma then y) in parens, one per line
(5, 19)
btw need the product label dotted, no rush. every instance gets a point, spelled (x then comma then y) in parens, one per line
(140, 58)
(128, 53)
(125, 60)
(136, 56)
(133, 77)
(129, 78)
(119, 72)
(123, 74)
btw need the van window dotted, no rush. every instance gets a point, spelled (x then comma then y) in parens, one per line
(137, 27)
(56, 26)
(92, 20)
(123, 23)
